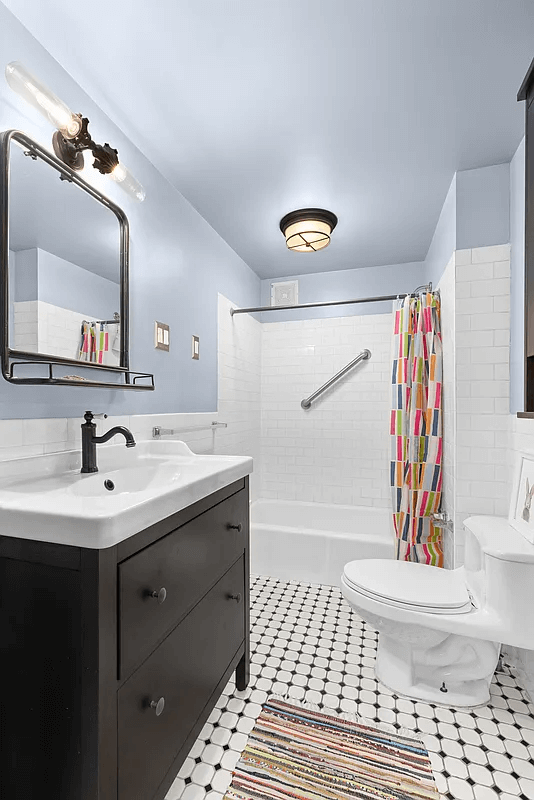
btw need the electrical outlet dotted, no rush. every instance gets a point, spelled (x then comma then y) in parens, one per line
(162, 336)
(195, 347)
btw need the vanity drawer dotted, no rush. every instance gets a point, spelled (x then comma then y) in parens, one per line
(184, 670)
(185, 564)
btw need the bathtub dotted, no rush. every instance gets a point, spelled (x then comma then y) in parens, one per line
(312, 542)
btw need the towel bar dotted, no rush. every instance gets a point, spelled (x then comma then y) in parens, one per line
(158, 432)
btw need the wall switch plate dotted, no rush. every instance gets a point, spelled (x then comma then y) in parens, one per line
(195, 347)
(162, 336)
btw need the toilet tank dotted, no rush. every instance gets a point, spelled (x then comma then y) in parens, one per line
(499, 571)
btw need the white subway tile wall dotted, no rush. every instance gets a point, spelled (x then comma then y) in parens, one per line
(20, 438)
(338, 450)
(25, 326)
(482, 320)
(239, 387)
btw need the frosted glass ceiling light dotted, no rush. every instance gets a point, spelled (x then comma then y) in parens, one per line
(308, 229)
(72, 137)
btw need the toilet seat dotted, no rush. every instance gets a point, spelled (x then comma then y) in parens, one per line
(409, 585)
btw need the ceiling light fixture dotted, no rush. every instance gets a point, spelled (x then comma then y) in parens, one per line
(72, 137)
(308, 229)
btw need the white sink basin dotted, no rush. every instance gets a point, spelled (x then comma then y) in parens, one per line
(50, 500)
(128, 480)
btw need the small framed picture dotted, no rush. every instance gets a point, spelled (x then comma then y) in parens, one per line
(521, 515)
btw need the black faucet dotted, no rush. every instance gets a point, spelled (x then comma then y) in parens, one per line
(90, 441)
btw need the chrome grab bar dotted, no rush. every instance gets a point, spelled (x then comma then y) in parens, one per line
(158, 432)
(306, 403)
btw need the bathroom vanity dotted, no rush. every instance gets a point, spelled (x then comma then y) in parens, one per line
(113, 658)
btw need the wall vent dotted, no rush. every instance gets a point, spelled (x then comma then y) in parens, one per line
(285, 293)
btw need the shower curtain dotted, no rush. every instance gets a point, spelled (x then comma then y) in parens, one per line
(416, 428)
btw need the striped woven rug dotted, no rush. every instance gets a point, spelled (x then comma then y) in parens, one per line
(294, 752)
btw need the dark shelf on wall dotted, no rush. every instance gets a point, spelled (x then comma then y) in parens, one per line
(25, 359)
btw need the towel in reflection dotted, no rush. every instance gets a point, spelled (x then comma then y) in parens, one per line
(94, 342)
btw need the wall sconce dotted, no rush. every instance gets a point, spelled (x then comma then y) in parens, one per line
(72, 137)
(308, 229)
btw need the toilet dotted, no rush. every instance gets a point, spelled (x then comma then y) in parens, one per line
(440, 631)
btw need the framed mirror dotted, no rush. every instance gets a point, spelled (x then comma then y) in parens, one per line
(65, 262)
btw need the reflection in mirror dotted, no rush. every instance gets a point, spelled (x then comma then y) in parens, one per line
(64, 266)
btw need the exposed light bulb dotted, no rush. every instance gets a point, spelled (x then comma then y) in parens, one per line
(121, 175)
(119, 172)
(69, 125)
(41, 98)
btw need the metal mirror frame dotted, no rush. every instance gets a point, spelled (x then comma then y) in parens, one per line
(6, 353)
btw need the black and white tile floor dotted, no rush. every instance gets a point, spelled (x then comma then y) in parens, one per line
(309, 645)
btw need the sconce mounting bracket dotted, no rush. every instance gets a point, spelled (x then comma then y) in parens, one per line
(70, 151)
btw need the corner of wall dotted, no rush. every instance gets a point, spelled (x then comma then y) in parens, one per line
(443, 241)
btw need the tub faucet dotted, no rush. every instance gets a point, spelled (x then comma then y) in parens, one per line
(440, 519)
(90, 441)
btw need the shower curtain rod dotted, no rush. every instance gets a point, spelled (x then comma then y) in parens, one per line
(427, 287)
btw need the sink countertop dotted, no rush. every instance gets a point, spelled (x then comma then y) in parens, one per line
(46, 498)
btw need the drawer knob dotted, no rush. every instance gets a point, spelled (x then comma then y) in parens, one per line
(237, 527)
(158, 706)
(160, 595)
(237, 597)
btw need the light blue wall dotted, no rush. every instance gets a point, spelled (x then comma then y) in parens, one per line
(25, 279)
(68, 286)
(476, 213)
(517, 287)
(39, 275)
(483, 206)
(178, 265)
(443, 241)
(344, 285)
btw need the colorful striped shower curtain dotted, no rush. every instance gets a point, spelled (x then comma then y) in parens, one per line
(416, 428)
(94, 342)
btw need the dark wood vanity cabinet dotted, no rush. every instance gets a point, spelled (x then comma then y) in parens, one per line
(112, 660)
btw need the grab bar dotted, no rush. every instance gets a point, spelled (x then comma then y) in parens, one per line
(306, 403)
(158, 432)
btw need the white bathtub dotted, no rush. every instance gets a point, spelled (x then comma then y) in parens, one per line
(312, 542)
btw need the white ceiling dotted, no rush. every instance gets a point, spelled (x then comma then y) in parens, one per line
(255, 107)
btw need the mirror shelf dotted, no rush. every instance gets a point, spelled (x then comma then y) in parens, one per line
(131, 377)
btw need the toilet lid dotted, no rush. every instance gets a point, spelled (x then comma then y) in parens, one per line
(410, 585)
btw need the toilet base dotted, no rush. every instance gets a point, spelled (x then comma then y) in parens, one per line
(448, 669)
